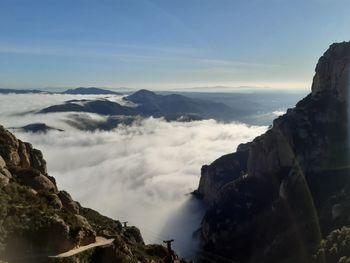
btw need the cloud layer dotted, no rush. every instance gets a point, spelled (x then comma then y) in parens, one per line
(141, 173)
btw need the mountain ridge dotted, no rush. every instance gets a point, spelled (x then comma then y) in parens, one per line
(90, 91)
(277, 197)
(74, 91)
(146, 103)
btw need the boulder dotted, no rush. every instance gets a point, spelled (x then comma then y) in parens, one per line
(56, 237)
(133, 234)
(6, 172)
(68, 202)
(2, 163)
(51, 237)
(34, 179)
(54, 201)
(4, 180)
(86, 234)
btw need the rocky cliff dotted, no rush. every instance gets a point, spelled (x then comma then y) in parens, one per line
(277, 197)
(37, 220)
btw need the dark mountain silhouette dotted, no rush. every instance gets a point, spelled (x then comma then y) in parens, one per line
(85, 122)
(103, 107)
(36, 128)
(20, 91)
(90, 91)
(145, 104)
(76, 91)
(150, 103)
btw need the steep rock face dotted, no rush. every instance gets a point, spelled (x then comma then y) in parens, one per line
(19, 154)
(277, 196)
(222, 171)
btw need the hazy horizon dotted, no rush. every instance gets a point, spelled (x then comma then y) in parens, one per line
(199, 89)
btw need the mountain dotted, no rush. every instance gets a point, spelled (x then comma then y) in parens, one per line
(90, 91)
(145, 103)
(86, 123)
(38, 221)
(36, 128)
(258, 107)
(76, 91)
(103, 107)
(152, 104)
(284, 197)
(20, 91)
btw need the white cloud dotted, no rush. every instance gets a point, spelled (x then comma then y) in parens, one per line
(278, 113)
(140, 173)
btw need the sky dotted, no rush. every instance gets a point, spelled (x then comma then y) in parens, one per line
(163, 44)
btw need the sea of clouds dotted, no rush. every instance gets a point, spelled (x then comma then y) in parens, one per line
(141, 173)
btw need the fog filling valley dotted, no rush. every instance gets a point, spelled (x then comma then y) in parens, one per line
(141, 173)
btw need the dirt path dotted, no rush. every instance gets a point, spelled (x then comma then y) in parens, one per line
(100, 241)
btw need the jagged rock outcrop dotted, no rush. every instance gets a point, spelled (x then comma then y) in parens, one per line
(67, 202)
(279, 195)
(37, 220)
(19, 154)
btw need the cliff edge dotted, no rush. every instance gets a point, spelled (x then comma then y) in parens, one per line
(276, 198)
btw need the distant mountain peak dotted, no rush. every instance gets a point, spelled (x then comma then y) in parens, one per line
(90, 91)
(143, 92)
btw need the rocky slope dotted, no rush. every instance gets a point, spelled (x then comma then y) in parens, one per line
(277, 197)
(37, 220)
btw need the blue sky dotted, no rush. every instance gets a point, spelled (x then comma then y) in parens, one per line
(166, 44)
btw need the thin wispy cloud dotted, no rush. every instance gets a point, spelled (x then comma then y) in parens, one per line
(133, 53)
(233, 63)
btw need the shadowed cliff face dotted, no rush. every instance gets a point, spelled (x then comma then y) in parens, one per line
(279, 195)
